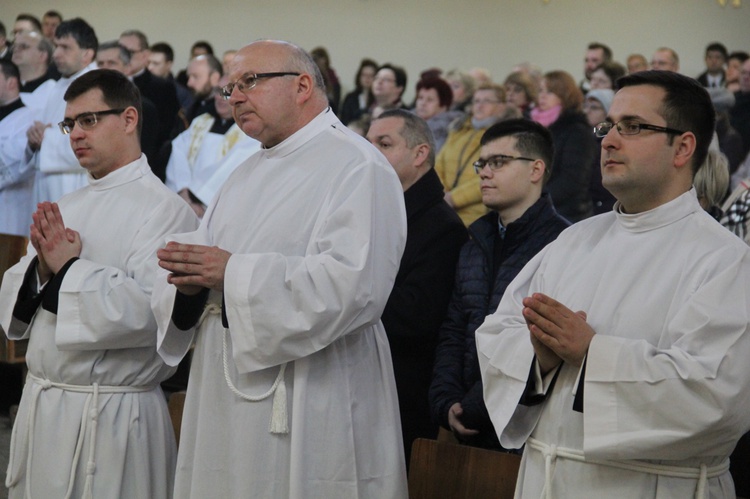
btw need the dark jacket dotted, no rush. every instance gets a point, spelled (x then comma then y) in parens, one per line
(739, 118)
(575, 148)
(417, 305)
(703, 79)
(164, 96)
(486, 266)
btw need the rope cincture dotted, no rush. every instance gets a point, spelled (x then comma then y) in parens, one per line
(701, 474)
(89, 423)
(279, 416)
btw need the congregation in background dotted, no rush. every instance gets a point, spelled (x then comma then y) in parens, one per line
(404, 269)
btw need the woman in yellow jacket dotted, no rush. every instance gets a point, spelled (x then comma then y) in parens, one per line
(454, 164)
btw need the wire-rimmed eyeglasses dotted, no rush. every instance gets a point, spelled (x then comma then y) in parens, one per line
(630, 127)
(86, 121)
(496, 162)
(248, 82)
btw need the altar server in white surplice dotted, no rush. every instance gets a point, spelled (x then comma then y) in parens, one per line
(626, 340)
(291, 391)
(57, 169)
(16, 176)
(204, 155)
(92, 420)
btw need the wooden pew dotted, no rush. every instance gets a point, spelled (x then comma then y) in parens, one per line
(12, 248)
(449, 471)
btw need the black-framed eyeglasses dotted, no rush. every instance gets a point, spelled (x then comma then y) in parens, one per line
(248, 82)
(496, 162)
(630, 127)
(86, 121)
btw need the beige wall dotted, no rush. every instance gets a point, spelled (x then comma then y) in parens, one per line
(424, 33)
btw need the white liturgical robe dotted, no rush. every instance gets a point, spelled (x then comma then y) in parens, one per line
(16, 175)
(58, 170)
(666, 382)
(97, 354)
(316, 226)
(201, 161)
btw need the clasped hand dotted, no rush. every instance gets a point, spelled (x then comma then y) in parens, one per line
(54, 243)
(193, 266)
(557, 333)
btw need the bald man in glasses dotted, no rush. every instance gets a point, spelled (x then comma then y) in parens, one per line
(291, 391)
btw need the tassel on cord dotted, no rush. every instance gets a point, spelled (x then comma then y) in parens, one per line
(279, 418)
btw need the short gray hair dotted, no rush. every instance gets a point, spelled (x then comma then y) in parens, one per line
(415, 131)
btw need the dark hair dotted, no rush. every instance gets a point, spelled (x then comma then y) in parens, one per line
(398, 72)
(740, 55)
(686, 106)
(10, 70)
(607, 51)
(32, 19)
(80, 31)
(203, 44)
(117, 90)
(214, 64)
(2, 29)
(53, 13)
(415, 130)
(613, 70)
(163, 48)
(321, 54)
(532, 140)
(717, 47)
(364, 63)
(445, 94)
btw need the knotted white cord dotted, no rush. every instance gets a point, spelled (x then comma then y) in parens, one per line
(89, 419)
(279, 417)
(701, 474)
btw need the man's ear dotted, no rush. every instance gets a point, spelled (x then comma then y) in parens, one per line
(131, 119)
(684, 149)
(305, 87)
(421, 154)
(538, 168)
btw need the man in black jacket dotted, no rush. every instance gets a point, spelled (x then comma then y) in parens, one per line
(514, 164)
(420, 295)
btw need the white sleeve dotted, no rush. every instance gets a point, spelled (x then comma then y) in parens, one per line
(281, 308)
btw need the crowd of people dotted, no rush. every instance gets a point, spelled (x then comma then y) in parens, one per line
(342, 275)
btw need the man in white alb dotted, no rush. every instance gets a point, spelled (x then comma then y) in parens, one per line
(58, 171)
(626, 340)
(204, 155)
(93, 421)
(291, 391)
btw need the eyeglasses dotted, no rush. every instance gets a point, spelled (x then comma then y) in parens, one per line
(249, 81)
(496, 162)
(630, 127)
(86, 121)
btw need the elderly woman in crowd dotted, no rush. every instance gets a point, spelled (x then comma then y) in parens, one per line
(434, 99)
